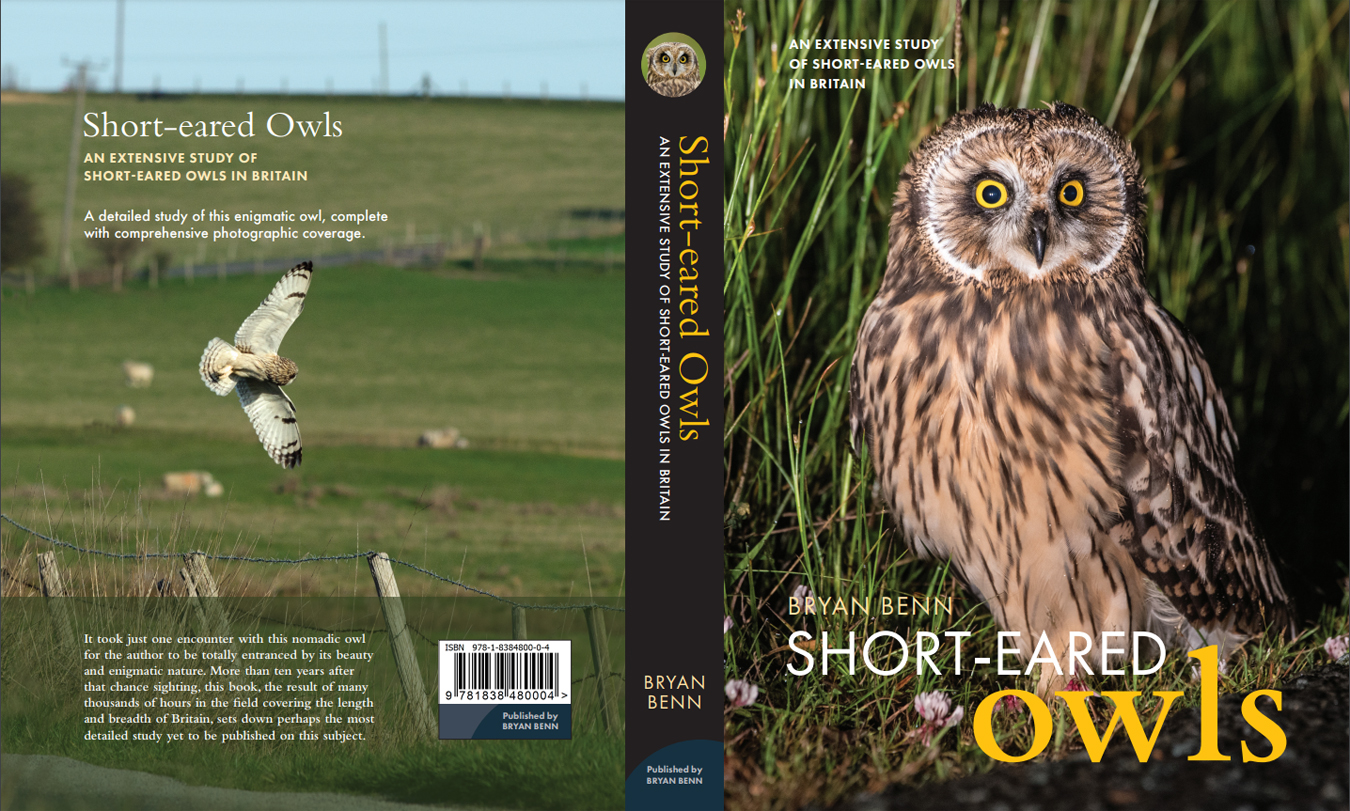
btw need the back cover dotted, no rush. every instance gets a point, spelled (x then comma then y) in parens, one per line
(396, 575)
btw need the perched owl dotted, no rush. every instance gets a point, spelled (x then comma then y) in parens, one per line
(672, 69)
(1034, 415)
(253, 368)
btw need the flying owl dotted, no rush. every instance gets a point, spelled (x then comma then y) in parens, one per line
(672, 69)
(1034, 415)
(253, 368)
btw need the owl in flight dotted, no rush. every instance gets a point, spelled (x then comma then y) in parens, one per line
(1035, 416)
(253, 368)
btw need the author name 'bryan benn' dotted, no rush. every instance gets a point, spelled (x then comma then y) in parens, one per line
(677, 692)
(901, 605)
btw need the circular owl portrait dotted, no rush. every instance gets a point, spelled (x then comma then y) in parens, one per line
(673, 64)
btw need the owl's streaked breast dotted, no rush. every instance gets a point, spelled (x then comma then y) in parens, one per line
(991, 426)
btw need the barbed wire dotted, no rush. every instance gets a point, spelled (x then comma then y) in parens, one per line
(309, 559)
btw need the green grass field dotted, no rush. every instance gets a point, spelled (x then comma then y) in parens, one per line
(44, 713)
(527, 364)
(517, 167)
(526, 361)
(525, 357)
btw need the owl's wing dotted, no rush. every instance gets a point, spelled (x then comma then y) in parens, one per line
(1185, 521)
(857, 407)
(273, 416)
(876, 336)
(261, 333)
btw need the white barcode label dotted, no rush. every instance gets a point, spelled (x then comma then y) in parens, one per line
(506, 671)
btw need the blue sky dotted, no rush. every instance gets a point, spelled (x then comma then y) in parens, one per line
(303, 45)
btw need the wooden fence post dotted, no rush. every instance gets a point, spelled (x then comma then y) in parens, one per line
(194, 598)
(400, 640)
(595, 625)
(54, 591)
(208, 594)
(479, 245)
(518, 623)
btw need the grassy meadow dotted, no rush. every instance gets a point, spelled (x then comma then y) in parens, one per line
(519, 169)
(44, 713)
(526, 362)
(523, 356)
(1240, 115)
(527, 365)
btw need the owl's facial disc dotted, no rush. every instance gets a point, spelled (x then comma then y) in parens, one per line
(1000, 200)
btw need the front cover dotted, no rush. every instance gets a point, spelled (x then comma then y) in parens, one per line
(1008, 382)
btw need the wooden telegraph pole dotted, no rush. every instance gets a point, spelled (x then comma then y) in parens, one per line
(64, 252)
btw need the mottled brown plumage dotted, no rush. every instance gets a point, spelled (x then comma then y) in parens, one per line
(672, 69)
(1034, 415)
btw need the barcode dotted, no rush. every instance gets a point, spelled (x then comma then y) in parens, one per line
(506, 671)
(489, 671)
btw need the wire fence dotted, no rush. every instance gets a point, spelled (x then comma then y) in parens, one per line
(200, 583)
(309, 559)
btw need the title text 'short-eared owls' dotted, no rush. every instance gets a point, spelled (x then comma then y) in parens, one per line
(1033, 415)
(672, 69)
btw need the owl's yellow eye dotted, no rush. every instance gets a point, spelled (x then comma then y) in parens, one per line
(991, 194)
(665, 57)
(684, 58)
(1071, 193)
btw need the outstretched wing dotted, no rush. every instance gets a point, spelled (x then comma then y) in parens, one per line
(261, 333)
(273, 416)
(1185, 521)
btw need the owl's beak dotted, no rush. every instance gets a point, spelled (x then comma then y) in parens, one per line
(1039, 222)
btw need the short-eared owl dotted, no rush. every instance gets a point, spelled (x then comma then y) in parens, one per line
(672, 69)
(253, 368)
(1033, 415)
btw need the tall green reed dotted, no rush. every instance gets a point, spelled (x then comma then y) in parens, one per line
(1240, 115)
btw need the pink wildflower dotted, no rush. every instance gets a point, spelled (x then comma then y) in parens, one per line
(726, 624)
(1337, 646)
(741, 693)
(1011, 704)
(805, 598)
(936, 710)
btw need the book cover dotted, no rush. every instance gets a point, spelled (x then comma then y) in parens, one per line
(1004, 380)
(946, 399)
